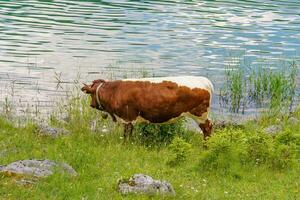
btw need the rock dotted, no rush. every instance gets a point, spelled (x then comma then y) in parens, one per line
(37, 168)
(237, 122)
(51, 131)
(293, 120)
(144, 184)
(273, 129)
(191, 125)
(25, 182)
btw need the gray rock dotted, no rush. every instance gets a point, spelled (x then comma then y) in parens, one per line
(237, 121)
(191, 125)
(293, 120)
(25, 182)
(37, 168)
(51, 131)
(273, 129)
(144, 184)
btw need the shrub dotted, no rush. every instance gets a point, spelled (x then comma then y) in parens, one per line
(258, 148)
(286, 147)
(288, 138)
(283, 156)
(225, 152)
(230, 150)
(159, 134)
(180, 151)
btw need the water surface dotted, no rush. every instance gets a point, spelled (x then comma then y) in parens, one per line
(47, 45)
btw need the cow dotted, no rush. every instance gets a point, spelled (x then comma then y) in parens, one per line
(155, 100)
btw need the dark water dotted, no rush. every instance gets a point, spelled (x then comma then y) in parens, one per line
(47, 45)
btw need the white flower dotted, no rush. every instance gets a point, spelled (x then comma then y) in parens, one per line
(104, 130)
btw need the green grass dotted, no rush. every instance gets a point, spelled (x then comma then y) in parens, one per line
(239, 163)
(260, 87)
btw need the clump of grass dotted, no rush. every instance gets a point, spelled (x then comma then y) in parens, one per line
(156, 135)
(180, 151)
(262, 87)
(233, 92)
(7, 107)
(9, 100)
(232, 150)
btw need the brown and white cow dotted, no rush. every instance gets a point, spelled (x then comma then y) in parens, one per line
(156, 100)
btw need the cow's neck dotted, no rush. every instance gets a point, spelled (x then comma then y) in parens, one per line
(97, 96)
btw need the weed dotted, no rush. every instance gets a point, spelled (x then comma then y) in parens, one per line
(159, 134)
(180, 151)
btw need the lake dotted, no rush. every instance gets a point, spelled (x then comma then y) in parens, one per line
(47, 46)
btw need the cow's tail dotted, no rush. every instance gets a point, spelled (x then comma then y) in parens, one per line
(210, 88)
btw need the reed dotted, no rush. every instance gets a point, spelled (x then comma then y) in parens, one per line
(261, 87)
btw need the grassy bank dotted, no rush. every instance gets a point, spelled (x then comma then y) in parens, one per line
(240, 162)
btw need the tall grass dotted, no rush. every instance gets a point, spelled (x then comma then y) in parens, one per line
(261, 87)
(232, 94)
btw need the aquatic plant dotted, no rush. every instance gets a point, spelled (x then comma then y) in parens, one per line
(262, 87)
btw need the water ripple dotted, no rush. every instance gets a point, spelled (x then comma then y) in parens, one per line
(39, 39)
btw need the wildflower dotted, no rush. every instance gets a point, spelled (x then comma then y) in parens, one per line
(105, 130)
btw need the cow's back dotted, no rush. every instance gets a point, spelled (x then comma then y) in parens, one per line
(188, 81)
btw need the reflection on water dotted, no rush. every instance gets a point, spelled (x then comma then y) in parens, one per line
(46, 43)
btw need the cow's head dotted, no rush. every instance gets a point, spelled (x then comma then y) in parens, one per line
(91, 89)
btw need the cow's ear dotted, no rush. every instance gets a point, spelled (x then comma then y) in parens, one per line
(86, 89)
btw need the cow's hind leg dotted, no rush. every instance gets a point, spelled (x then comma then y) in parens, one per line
(128, 128)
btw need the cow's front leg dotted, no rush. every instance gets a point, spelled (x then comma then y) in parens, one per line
(128, 128)
(206, 128)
